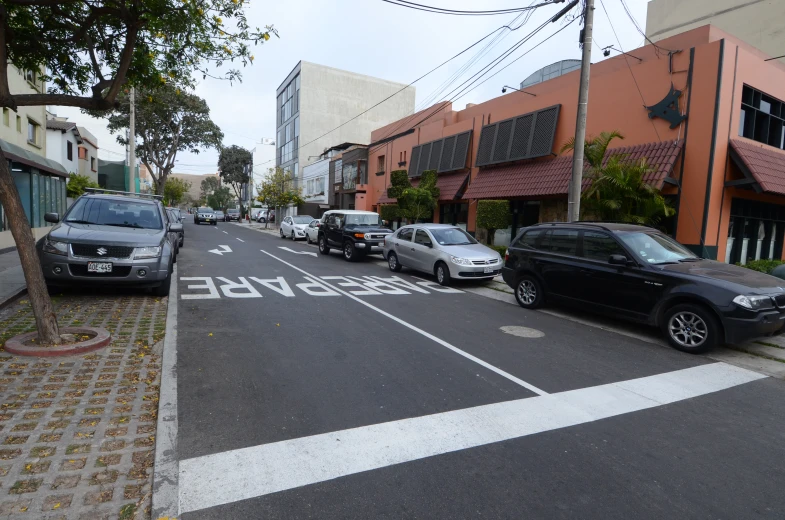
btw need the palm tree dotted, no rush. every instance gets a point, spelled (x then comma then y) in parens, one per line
(618, 191)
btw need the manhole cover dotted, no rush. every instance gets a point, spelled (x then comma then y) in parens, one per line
(522, 332)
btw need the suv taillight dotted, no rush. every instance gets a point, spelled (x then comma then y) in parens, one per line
(506, 255)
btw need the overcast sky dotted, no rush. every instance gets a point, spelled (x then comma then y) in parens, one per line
(379, 39)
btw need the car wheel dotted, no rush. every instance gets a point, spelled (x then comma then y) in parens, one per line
(443, 274)
(280, 232)
(163, 289)
(529, 292)
(215, 223)
(392, 262)
(691, 328)
(349, 252)
(182, 241)
(293, 239)
(323, 248)
(307, 238)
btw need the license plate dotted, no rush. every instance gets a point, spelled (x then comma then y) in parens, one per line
(489, 269)
(207, 220)
(99, 267)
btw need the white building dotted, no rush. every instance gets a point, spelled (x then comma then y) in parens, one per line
(315, 188)
(88, 154)
(62, 142)
(314, 100)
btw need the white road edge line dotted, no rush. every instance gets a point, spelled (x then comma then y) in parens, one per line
(166, 500)
(419, 331)
(227, 477)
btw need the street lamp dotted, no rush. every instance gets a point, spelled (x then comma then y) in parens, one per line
(505, 87)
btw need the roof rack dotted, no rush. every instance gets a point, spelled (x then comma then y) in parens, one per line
(129, 193)
(591, 223)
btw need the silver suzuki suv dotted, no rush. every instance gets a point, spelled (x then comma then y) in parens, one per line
(110, 238)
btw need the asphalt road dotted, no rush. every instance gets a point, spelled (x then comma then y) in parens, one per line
(309, 387)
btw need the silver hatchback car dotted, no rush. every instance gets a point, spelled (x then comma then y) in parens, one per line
(446, 251)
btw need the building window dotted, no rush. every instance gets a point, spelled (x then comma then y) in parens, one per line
(755, 231)
(92, 163)
(30, 76)
(82, 152)
(380, 164)
(33, 132)
(19, 124)
(762, 118)
(6, 117)
(69, 150)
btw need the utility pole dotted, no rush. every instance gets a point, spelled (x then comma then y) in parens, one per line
(250, 186)
(132, 141)
(574, 193)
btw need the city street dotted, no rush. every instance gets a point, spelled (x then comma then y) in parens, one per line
(310, 387)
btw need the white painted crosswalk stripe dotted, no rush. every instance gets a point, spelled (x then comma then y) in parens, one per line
(241, 474)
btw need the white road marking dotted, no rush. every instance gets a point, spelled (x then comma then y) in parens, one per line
(223, 478)
(297, 252)
(417, 330)
(241, 240)
(220, 252)
(212, 292)
(222, 231)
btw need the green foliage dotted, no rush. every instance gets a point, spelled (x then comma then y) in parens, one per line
(399, 181)
(168, 121)
(208, 186)
(234, 165)
(97, 48)
(77, 183)
(278, 189)
(418, 203)
(617, 191)
(174, 191)
(220, 198)
(499, 249)
(763, 266)
(390, 212)
(493, 215)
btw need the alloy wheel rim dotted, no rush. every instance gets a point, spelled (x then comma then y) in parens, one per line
(347, 251)
(440, 274)
(527, 292)
(392, 261)
(688, 329)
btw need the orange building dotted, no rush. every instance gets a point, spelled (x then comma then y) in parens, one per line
(716, 153)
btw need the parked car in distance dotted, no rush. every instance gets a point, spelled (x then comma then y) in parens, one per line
(312, 231)
(643, 275)
(357, 233)
(177, 213)
(110, 239)
(294, 227)
(232, 214)
(174, 217)
(205, 215)
(257, 214)
(219, 215)
(446, 251)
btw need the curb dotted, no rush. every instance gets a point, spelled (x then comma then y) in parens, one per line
(13, 297)
(16, 344)
(166, 472)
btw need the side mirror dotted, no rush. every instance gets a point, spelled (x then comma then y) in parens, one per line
(54, 218)
(175, 227)
(617, 260)
(428, 244)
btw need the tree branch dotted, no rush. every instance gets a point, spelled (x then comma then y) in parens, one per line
(66, 100)
(125, 62)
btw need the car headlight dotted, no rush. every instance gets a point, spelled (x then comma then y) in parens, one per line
(54, 247)
(460, 261)
(367, 236)
(754, 303)
(147, 252)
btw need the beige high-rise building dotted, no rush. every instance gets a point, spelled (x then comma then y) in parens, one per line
(757, 22)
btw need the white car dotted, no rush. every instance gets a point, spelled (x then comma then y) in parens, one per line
(294, 227)
(312, 231)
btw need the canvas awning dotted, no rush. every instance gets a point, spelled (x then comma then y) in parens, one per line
(18, 154)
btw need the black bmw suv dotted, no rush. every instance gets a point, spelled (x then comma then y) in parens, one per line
(641, 274)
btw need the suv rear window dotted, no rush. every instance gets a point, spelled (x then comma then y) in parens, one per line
(561, 241)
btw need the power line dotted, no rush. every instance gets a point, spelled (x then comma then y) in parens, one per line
(455, 12)
(630, 68)
(638, 27)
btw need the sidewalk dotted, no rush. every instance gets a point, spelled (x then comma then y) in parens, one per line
(12, 279)
(77, 434)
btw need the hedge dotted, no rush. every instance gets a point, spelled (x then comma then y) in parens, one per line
(493, 215)
(763, 266)
(499, 249)
(390, 212)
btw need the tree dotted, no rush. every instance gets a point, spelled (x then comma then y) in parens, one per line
(77, 184)
(493, 215)
(208, 186)
(278, 190)
(174, 191)
(168, 121)
(618, 191)
(88, 53)
(414, 203)
(220, 198)
(234, 163)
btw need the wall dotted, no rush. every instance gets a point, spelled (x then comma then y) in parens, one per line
(90, 144)
(56, 149)
(196, 183)
(19, 85)
(319, 169)
(757, 22)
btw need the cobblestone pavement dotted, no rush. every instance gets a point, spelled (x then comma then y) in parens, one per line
(77, 434)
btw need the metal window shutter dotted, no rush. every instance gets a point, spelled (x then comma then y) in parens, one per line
(519, 149)
(425, 156)
(502, 143)
(436, 155)
(414, 160)
(447, 150)
(461, 150)
(544, 131)
(486, 145)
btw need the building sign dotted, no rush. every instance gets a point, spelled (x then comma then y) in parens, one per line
(668, 108)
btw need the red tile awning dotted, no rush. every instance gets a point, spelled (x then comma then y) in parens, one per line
(762, 165)
(552, 176)
(450, 186)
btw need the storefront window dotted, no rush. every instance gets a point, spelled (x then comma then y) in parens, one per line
(755, 231)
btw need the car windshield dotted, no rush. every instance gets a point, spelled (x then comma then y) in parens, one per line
(656, 248)
(363, 219)
(233, 211)
(452, 237)
(302, 219)
(112, 212)
(205, 210)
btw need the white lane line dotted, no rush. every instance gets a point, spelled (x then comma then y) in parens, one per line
(224, 232)
(420, 331)
(223, 478)
(240, 239)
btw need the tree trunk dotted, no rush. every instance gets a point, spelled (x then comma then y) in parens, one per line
(45, 318)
